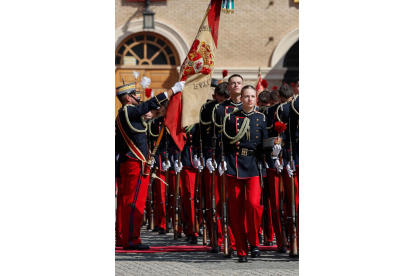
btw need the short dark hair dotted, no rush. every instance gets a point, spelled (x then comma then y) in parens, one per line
(233, 76)
(165, 104)
(286, 91)
(122, 98)
(264, 96)
(274, 94)
(221, 90)
(247, 87)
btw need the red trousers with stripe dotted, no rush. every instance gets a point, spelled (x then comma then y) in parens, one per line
(160, 218)
(245, 211)
(288, 190)
(135, 195)
(118, 213)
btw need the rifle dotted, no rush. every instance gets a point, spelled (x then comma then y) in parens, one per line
(281, 209)
(167, 213)
(224, 199)
(294, 246)
(151, 195)
(264, 200)
(214, 243)
(202, 193)
(196, 226)
(177, 200)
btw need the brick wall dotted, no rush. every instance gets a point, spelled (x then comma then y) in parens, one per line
(243, 36)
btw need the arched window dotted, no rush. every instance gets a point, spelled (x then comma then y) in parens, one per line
(145, 49)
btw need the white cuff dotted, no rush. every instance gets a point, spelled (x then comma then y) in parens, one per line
(166, 94)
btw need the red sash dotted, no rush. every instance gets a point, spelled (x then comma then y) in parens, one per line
(129, 142)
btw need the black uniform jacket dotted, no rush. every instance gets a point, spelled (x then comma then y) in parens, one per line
(191, 147)
(138, 138)
(242, 156)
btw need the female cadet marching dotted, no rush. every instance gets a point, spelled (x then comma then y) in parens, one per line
(244, 131)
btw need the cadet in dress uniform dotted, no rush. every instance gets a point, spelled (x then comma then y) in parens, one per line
(132, 146)
(161, 168)
(190, 164)
(244, 131)
(274, 177)
(284, 113)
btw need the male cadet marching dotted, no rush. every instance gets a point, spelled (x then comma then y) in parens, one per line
(161, 166)
(132, 146)
(244, 130)
(207, 131)
(219, 112)
(190, 163)
(275, 181)
(284, 114)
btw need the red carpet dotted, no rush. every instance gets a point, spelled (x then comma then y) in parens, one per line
(183, 248)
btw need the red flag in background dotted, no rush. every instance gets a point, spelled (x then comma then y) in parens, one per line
(259, 85)
(196, 70)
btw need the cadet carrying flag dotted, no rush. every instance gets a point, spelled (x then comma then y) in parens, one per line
(197, 71)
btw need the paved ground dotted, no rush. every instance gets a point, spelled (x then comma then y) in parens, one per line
(198, 263)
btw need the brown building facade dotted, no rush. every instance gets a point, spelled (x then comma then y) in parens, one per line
(259, 34)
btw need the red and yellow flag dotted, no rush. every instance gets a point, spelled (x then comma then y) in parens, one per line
(197, 71)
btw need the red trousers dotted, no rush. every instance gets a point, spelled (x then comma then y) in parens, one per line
(274, 196)
(171, 201)
(288, 189)
(135, 194)
(118, 213)
(188, 177)
(160, 218)
(219, 209)
(245, 211)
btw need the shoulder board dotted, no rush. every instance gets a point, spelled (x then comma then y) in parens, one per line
(264, 117)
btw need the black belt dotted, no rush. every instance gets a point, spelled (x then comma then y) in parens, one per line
(245, 152)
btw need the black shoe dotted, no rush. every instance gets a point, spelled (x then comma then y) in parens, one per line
(156, 229)
(231, 253)
(187, 238)
(260, 238)
(268, 243)
(162, 231)
(255, 252)
(193, 240)
(148, 227)
(281, 250)
(179, 236)
(242, 259)
(137, 247)
(215, 249)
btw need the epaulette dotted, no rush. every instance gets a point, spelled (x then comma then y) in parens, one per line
(258, 112)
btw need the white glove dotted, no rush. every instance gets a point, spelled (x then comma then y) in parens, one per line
(165, 166)
(177, 167)
(178, 86)
(278, 166)
(196, 161)
(211, 166)
(221, 169)
(266, 165)
(276, 150)
(200, 167)
(289, 170)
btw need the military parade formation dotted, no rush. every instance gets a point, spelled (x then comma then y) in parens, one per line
(235, 183)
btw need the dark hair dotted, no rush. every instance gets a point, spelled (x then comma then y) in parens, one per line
(221, 90)
(122, 98)
(165, 104)
(274, 94)
(247, 87)
(264, 96)
(235, 75)
(286, 91)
